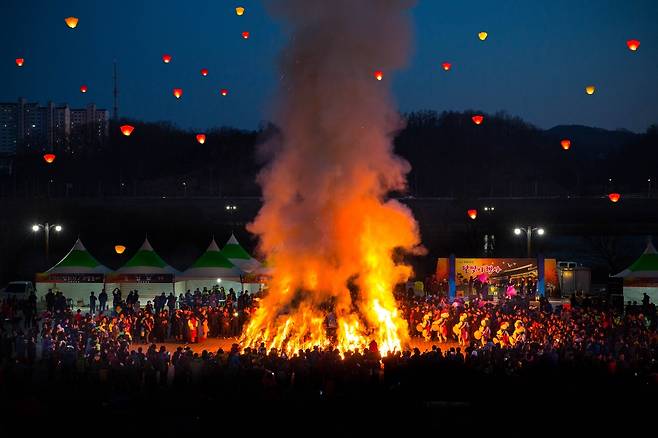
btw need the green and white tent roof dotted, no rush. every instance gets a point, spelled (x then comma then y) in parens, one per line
(212, 264)
(644, 267)
(237, 255)
(78, 261)
(146, 261)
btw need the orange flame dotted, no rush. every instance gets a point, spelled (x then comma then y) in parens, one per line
(327, 226)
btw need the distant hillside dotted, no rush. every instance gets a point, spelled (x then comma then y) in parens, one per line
(450, 156)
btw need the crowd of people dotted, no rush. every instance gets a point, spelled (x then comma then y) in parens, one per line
(470, 338)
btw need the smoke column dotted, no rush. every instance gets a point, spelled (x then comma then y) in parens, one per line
(326, 221)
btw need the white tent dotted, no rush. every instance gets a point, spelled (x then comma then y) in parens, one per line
(237, 255)
(147, 273)
(642, 276)
(212, 269)
(76, 275)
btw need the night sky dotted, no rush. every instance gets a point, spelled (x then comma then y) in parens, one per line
(535, 64)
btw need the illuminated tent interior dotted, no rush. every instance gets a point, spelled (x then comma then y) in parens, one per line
(76, 275)
(642, 276)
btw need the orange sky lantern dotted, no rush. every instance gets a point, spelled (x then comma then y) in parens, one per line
(590, 89)
(379, 75)
(245, 35)
(201, 138)
(166, 58)
(239, 10)
(472, 213)
(127, 130)
(83, 88)
(633, 44)
(204, 72)
(483, 36)
(20, 62)
(49, 158)
(178, 92)
(477, 119)
(446, 66)
(71, 22)
(119, 249)
(223, 92)
(566, 144)
(614, 197)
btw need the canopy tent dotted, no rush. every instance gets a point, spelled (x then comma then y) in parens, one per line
(211, 269)
(76, 275)
(146, 272)
(642, 276)
(237, 255)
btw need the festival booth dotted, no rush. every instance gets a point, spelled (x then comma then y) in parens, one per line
(147, 273)
(641, 277)
(76, 276)
(250, 267)
(495, 278)
(212, 269)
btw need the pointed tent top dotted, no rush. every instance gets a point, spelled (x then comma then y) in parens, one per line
(78, 261)
(233, 250)
(645, 266)
(212, 264)
(146, 260)
(213, 245)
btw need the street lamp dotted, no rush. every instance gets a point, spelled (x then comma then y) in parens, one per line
(528, 231)
(46, 228)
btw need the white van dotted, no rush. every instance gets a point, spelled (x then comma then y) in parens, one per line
(19, 289)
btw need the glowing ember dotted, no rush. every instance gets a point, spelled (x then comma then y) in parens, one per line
(326, 225)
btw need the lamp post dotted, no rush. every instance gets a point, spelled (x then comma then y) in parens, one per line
(46, 227)
(528, 231)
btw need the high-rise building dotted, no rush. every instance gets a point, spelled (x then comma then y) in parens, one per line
(26, 127)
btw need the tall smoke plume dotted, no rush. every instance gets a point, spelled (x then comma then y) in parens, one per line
(326, 221)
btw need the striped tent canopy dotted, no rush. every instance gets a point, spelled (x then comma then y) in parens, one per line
(78, 261)
(237, 255)
(212, 264)
(146, 261)
(644, 267)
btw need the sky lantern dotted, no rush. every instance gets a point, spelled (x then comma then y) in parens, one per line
(201, 138)
(590, 89)
(472, 213)
(379, 75)
(446, 66)
(71, 22)
(20, 62)
(239, 10)
(477, 119)
(127, 130)
(204, 72)
(614, 197)
(166, 58)
(49, 158)
(566, 144)
(119, 249)
(83, 88)
(633, 45)
(178, 92)
(245, 35)
(483, 36)
(223, 92)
